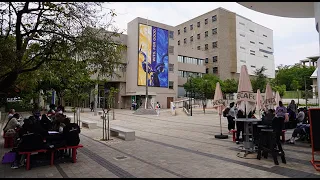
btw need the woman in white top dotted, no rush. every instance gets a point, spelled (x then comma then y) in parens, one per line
(158, 108)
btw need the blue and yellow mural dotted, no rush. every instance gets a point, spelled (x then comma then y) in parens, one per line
(153, 48)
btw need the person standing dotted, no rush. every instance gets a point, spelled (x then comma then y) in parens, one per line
(158, 108)
(231, 116)
(92, 106)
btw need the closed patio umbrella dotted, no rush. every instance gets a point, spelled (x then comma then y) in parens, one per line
(219, 105)
(270, 101)
(277, 98)
(245, 98)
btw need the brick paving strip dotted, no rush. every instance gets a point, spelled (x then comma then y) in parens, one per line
(275, 169)
(137, 158)
(61, 171)
(106, 164)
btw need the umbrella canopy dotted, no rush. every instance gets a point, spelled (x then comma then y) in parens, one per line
(259, 103)
(218, 101)
(277, 98)
(245, 98)
(270, 101)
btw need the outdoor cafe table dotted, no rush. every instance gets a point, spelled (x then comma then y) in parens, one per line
(247, 144)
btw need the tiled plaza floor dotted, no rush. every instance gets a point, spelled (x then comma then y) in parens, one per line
(167, 146)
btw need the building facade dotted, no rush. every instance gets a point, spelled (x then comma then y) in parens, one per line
(229, 41)
(217, 42)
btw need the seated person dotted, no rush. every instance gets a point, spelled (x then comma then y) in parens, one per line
(45, 122)
(11, 113)
(12, 124)
(71, 133)
(301, 116)
(51, 110)
(240, 125)
(267, 119)
(301, 129)
(57, 119)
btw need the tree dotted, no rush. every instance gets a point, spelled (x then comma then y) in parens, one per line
(229, 86)
(290, 75)
(281, 89)
(33, 33)
(260, 79)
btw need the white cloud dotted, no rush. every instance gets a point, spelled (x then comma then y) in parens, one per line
(174, 13)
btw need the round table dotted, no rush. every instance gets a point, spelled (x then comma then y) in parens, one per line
(248, 145)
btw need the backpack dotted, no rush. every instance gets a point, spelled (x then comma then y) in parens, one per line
(71, 134)
(226, 112)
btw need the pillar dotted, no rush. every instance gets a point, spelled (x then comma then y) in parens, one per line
(313, 91)
(317, 19)
(96, 99)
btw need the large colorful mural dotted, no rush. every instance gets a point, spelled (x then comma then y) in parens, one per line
(153, 53)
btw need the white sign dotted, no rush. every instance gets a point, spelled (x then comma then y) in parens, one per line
(246, 96)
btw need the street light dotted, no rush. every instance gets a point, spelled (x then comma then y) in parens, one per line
(190, 94)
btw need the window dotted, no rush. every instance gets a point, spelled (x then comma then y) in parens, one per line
(215, 58)
(214, 44)
(191, 27)
(252, 42)
(179, 32)
(268, 52)
(185, 29)
(242, 23)
(200, 61)
(214, 18)
(242, 35)
(269, 47)
(206, 21)
(180, 59)
(171, 67)
(198, 24)
(252, 51)
(251, 30)
(206, 46)
(180, 73)
(253, 54)
(171, 34)
(198, 36)
(242, 48)
(171, 49)
(185, 40)
(243, 61)
(265, 35)
(179, 42)
(253, 66)
(198, 47)
(206, 34)
(215, 70)
(265, 56)
(207, 70)
(260, 43)
(206, 60)
(191, 38)
(214, 31)
(170, 84)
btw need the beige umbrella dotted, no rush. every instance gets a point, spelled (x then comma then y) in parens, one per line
(277, 98)
(269, 101)
(219, 105)
(245, 98)
(259, 103)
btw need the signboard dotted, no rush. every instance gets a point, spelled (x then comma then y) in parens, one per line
(246, 96)
(219, 102)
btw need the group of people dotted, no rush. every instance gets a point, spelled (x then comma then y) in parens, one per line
(35, 132)
(281, 114)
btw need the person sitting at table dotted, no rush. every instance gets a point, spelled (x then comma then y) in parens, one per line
(12, 124)
(301, 115)
(45, 122)
(57, 119)
(28, 140)
(71, 133)
(267, 119)
(301, 130)
(240, 126)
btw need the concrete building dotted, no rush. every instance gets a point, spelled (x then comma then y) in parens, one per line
(229, 41)
(217, 42)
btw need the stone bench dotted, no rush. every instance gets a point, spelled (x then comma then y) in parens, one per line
(129, 135)
(89, 124)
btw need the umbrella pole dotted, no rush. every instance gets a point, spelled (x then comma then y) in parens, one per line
(221, 136)
(220, 125)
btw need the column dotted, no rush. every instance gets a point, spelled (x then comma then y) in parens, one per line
(313, 91)
(317, 19)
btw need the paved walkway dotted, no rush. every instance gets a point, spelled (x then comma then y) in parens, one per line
(167, 146)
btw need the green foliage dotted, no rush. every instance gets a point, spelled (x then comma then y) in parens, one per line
(281, 89)
(229, 86)
(260, 80)
(294, 77)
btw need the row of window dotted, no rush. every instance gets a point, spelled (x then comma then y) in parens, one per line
(262, 50)
(189, 73)
(190, 60)
(214, 18)
(214, 59)
(206, 46)
(206, 34)
(214, 70)
(251, 29)
(254, 42)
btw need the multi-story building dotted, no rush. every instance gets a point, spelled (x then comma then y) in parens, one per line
(217, 42)
(229, 41)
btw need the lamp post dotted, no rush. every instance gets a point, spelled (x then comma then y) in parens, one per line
(190, 94)
(147, 70)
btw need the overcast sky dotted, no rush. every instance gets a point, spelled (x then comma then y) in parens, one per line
(294, 39)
